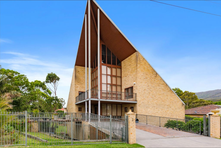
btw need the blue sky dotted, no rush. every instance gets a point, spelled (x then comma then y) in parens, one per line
(184, 47)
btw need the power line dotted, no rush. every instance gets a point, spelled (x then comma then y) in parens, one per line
(186, 8)
(214, 2)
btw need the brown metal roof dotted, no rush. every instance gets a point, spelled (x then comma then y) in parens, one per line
(203, 110)
(110, 35)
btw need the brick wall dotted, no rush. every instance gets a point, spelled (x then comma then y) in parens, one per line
(77, 84)
(154, 96)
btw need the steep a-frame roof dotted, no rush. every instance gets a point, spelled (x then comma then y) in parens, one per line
(110, 35)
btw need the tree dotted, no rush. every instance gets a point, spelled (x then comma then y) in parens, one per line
(200, 102)
(18, 94)
(6, 90)
(178, 91)
(54, 103)
(190, 99)
(52, 79)
(5, 103)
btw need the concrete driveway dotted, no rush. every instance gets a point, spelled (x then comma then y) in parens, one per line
(163, 137)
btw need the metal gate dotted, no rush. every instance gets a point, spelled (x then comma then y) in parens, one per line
(187, 125)
(206, 125)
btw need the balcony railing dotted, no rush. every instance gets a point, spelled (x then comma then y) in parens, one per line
(108, 95)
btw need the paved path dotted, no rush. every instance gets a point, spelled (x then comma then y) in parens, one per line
(162, 137)
(163, 131)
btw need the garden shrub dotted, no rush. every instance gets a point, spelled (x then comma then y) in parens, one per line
(174, 124)
(191, 125)
(187, 117)
(19, 125)
(10, 135)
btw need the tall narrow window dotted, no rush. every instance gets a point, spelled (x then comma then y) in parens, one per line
(104, 54)
(118, 62)
(111, 75)
(108, 56)
(113, 59)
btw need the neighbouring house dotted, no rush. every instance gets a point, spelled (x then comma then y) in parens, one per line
(111, 77)
(202, 110)
(62, 109)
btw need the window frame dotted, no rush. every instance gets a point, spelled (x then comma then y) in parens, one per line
(129, 94)
(79, 109)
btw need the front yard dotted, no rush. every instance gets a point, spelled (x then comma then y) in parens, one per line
(53, 142)
(119, 145)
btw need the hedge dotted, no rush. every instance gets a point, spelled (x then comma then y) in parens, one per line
(191, 125)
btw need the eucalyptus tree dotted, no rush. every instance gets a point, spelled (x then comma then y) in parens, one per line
(53, 80)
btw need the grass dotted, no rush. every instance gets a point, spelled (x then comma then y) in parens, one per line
(55, 142)
(122, 145)
(61, 129)
(45, 137)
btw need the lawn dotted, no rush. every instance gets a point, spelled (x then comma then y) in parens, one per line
(61, 129)
(54, 142)
(122, 145)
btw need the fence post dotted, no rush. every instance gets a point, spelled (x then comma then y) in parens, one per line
(126, 128)
(176, 125)
(146, 119)
(208, 125)
(200, 128)
(215, 124)
(26, 126)
(97, 130)
(131, 127)
(71, 128)
(204, 125)
(110, 130)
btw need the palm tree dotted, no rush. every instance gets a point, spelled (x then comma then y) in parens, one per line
(5, 103)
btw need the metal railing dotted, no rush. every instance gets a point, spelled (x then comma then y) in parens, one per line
(12, 127)
(108, 95)
(28, 128)
(188, 125)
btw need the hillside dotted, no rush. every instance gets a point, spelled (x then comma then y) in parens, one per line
(213, 95)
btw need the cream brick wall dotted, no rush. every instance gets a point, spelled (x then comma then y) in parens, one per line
(131, 128)
(215, 126)
(154, 96)
(77, 84)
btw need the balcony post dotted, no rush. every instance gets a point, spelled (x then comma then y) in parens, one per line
(98, 60)
(85, 25)
(89, 55)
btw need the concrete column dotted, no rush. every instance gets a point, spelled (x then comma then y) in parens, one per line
(89, 56)
(215, 125)
(85, 25)
(98, 60)
(131, 127)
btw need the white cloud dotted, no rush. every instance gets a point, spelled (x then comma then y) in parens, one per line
(36, 69)
(5, 41)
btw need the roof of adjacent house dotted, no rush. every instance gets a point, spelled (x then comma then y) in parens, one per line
(62, 109)
(203, 110)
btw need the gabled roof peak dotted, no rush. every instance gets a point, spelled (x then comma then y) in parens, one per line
(110, 34)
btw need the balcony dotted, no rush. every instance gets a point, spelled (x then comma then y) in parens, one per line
(108, 96)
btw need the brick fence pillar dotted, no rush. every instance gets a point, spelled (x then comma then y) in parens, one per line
(131, 127)
(215, 125)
